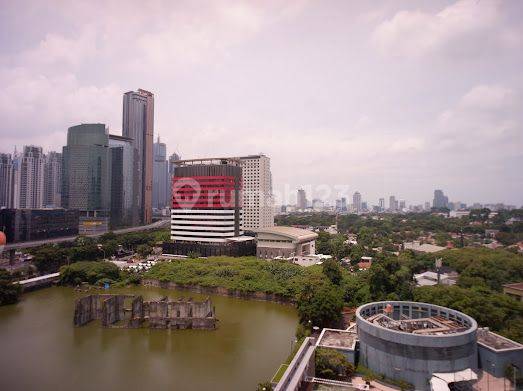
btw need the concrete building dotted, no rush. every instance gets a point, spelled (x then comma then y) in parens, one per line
(356, 202)
(161, 187)
(382, 204)
(430, 278)
(172, 167)
(87, 176)
(301, 201)
(440, 199)
(138, 125)
(285, 242)
(410, 341)
(258, 203)
(53, 180)
(121, 149)
(31, 176)
(206, 210)
(6, 181)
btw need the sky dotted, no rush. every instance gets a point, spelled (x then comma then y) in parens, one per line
(381, 97)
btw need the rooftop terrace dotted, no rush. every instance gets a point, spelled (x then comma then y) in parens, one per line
(339, 339)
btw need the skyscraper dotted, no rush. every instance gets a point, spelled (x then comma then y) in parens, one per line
(138, 124)
(161, 191)
(343, 204)
(172, 167)
(32, 178)
(356, 201)
(53, 180)
(86, 175)
(382, 204)
(121, 180)
(440, 199)
(301, 202)
(393, 204)
(6, 181)
(257, 192)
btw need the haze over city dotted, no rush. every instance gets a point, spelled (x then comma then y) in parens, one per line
(383, 97)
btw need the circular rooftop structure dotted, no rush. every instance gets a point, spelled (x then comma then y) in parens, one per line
(410, 341)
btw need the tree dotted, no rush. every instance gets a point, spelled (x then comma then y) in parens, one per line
(320, 303)
(193, 255)
(144, 250)
(332, 270)
(331, 364)
(90, 272)
(9, 293)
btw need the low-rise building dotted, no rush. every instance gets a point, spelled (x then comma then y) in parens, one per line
(429, 278)
(285, 242)
(423, 248)
(514, 290)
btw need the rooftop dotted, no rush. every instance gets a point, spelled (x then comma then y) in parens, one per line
(337, 339)
(518, 286)
(290, 232)
(495, 341)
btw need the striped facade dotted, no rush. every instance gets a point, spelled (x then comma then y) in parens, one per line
(206, 203)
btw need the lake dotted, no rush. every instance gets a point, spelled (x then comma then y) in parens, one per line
(41, 350)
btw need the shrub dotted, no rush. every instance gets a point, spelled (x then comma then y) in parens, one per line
(90, 272)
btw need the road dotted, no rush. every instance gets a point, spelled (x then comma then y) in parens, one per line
(21, 245)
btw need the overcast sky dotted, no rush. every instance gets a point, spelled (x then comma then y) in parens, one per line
(383, 97)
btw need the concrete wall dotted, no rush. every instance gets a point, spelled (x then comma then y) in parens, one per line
(495, 362)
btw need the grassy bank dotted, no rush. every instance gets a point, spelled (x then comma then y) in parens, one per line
(245, 274)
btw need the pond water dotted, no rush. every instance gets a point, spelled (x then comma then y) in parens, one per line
(41, 350)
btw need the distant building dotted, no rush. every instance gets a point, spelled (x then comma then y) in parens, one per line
(87, 176)
(393, 204)
(21, 225)
(7, 173)
(356, 201)
(301, 202)
(429, 278)
(138, 124)
(161, 188)
(422, 248)
(122, 178)
(402, 204)
(440, 200)
(31, 175)
(258, 203)
(343, 204)
(172, 167)
(382, 204)
(53, 180)
(285, 242)
(514, 290)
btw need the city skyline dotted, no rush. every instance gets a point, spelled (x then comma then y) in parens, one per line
(371, 98)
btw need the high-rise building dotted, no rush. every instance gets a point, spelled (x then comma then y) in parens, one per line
(31, 178)
(301, 202)
(138, 124)
(53, 180)
(356, 201)
(172, 167)
(86, 176)
(258, 208)
(121, 150)
(343, 204)
(161, 191)
(440, 199)
(382, 204)
(393, 204)
(403, 204)
(7, 173)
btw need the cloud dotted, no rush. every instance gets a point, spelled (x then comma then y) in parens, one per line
(32, 104)
(466, 28)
